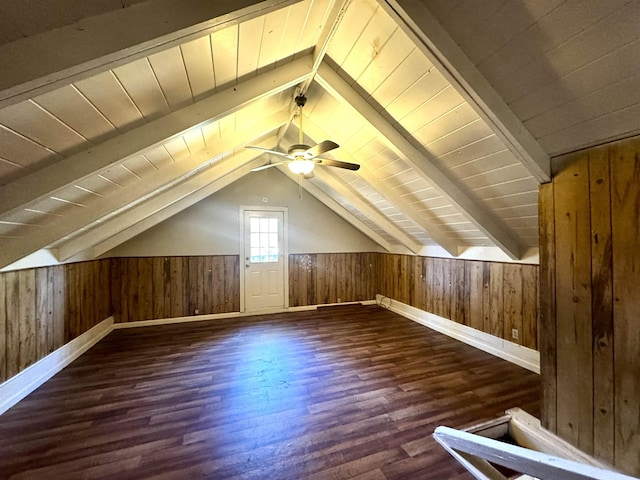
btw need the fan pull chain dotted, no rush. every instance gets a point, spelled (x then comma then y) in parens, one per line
(300, 186)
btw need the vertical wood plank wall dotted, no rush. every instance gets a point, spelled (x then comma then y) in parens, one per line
(41, 309)
(489, 296)
(590, 302)
(317, 279)
(149, 288)
(56, 304)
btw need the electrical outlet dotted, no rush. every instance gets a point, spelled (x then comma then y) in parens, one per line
(197, 312)
(514, 333)
(339, 300)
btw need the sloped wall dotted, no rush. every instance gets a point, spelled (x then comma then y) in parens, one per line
(590, 302)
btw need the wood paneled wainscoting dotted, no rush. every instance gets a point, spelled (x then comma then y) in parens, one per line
(590, 299)
(147, 288)
(492, 297)
(325, 278)
(41, 309)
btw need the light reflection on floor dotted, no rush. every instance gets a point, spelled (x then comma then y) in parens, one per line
(264, 404)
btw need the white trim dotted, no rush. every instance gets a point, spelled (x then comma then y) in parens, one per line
(305, 308)
(168, 321)
(530, 255)
(475, 451)
(527, 431)
(25, 382)
(218, 316)
(512, 352)
(44, 257)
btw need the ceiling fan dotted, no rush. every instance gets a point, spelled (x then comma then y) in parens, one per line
(300, 158)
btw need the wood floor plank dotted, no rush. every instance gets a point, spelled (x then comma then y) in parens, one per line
(340, 392)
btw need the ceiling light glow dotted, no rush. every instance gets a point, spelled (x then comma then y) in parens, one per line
(301, 167)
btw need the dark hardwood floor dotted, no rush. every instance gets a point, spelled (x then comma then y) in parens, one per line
(342, 392)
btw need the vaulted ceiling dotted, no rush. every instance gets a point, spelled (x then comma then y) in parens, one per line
(116, 115)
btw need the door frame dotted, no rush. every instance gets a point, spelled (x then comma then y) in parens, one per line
(285, 248)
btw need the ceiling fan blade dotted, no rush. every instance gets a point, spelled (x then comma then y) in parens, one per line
(319, 149)
(266, 150)
(337, 163)
(268, 165)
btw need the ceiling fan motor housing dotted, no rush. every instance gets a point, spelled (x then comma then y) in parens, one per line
(299, 150)
(301, 100)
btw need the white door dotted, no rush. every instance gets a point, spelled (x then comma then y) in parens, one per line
(263, 260)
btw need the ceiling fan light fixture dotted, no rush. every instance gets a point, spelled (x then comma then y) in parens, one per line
(301, 167)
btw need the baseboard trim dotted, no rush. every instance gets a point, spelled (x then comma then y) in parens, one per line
(168, 321)
(315, 307)
(512, 352)
(25, 382)
(218, 316)
(303, 308)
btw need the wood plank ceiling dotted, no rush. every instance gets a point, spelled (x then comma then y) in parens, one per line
(452, 116)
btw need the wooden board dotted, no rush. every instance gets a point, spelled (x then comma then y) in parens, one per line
(232, 282)
(473, 293)
(176, 287)
(428, 272)
(438, 286)
(125, 280)
(12, 280)
(602, 303)
(573, 303)
(157, 268)
(530, 306)
(457, 296)
(496, 300)
(512, 298)
(27, 316)
(417, 282)
(59, 315)
(145, 288)
(3, 329)
(43, 311)
(625, 200)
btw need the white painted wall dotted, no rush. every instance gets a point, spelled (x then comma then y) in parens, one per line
(211, 227)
